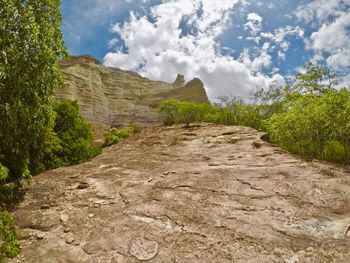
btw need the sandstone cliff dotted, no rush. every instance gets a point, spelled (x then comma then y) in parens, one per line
(114, 97)
(204, 194)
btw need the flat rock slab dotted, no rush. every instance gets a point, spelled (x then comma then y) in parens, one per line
(201, 194)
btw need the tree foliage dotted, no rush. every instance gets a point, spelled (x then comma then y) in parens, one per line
(315, 120)
(72, 142)
(230, 112)
(30, 44)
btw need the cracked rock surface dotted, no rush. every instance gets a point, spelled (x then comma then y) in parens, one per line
(200, 194)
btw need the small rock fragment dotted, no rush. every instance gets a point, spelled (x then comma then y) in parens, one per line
(309, 249)
(40, 236)
(257, 144)
(64, 218)
(233, 141)
(214, 164)
(66, 230)
(83, 186)
(45, 206)
(91, 215)
(70, 240)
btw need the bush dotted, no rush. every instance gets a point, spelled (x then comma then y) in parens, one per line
(10, 247)
(315, 125)
(228, 113)
(176, 112)
(4, 173)
(72, 141)
(117, 135)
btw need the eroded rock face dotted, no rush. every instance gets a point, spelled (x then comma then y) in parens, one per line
(113, 97)
(202, 194)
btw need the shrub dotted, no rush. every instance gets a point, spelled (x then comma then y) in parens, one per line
(176, 112)
(72, 141)
(4, 173)
(117, 135)
(228, 113)
(316, 125)
(10, 247)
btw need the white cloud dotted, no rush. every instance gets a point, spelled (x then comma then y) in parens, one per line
(158, 49)
(262, 60)
(334, 38)
(331, 39)
(254, 23)
(280, 35)
(281, 55)
(318, 11)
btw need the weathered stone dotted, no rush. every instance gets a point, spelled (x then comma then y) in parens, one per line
(143, 249)
(43, 221)
(40, 236)
(70, 239)
(83, 186)
(64, 218)
(247, 209)
(45, 206)
(113, 97)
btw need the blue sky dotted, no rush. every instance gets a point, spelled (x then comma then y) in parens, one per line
(234, 46)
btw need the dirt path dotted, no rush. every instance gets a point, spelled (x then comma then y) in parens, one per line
(205, 194)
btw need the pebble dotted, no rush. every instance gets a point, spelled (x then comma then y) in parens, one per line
(40, 236)
(309, 249)
(83, 186)
(45, 206)
(70, 240)
(91, 215)
(64, 218)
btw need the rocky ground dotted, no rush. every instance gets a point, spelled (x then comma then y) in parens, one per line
(201, 194)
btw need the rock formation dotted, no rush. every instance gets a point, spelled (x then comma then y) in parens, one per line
(203, 194)
(114, 97)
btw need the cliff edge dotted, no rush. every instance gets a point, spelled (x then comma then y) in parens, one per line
(113, 97)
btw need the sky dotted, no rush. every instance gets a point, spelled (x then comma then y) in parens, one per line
(233, 46)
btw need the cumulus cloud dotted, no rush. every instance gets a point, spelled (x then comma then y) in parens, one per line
(280, 35)
(254, 23)
(157, 47)
(332, 35)
(318, 11)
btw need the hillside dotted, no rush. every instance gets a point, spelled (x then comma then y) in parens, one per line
(113, 97)
(205, 194)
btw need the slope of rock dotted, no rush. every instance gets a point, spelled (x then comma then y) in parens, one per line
(203, 194)
(113, 97)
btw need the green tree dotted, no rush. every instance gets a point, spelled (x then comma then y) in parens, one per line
(316, 79)
(30, 44)
(312, 116)
(73, 140)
